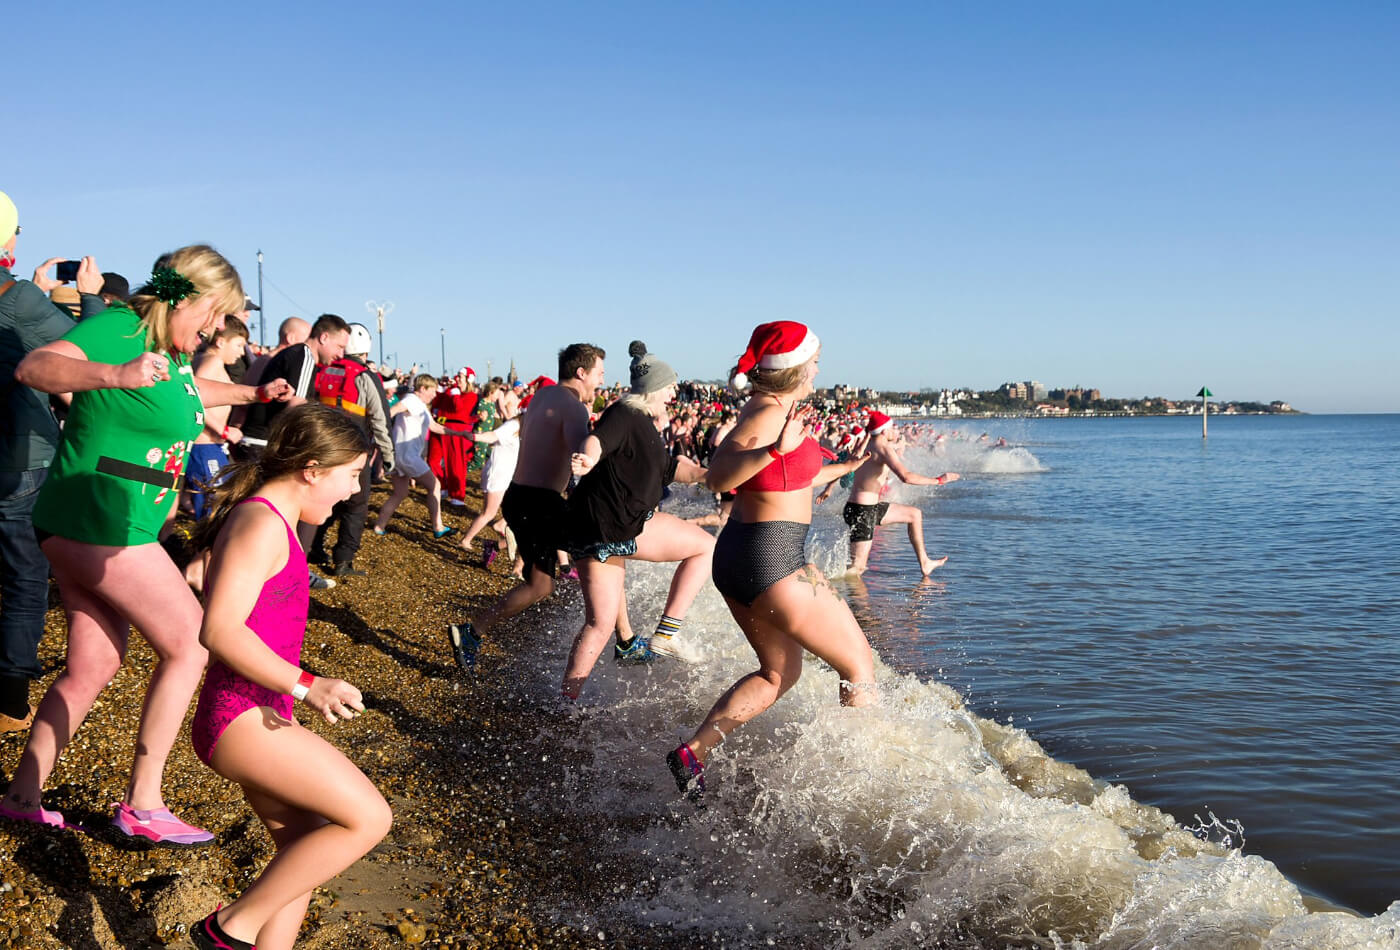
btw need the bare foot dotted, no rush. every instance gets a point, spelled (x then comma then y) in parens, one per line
(933, 564)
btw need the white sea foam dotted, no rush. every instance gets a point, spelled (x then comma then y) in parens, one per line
(913, 823)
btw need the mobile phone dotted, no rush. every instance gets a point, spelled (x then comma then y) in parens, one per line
(67, 270)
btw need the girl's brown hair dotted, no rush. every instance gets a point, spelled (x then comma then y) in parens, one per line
(305, 435)
(208, 270)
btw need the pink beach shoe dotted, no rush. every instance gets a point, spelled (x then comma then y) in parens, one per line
(158, 827)
(688, 772)
(208, 935)
(490, 551)
(39, 816)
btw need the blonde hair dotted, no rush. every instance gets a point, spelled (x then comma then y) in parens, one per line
(208, 270)
(774, 382)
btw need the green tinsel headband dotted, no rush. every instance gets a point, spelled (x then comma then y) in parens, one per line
(170, 285)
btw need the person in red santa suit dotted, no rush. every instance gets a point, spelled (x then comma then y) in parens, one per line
(449, 456)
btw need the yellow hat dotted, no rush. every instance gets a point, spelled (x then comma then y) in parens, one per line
(9, 218)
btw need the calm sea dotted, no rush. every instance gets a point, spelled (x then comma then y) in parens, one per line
(1149, 702)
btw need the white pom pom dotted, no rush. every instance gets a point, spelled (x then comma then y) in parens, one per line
(740, 382)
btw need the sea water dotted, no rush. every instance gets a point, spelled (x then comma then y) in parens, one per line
(1149, 702)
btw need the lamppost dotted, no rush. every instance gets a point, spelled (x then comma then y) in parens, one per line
(380, 310)
(262, 314)
(443, 331)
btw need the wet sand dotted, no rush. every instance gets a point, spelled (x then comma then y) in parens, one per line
(482, 852)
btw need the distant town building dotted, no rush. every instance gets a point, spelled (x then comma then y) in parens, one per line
(1014, 390)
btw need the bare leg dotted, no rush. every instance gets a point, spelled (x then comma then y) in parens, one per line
(860, 555)
(624, 622)
(402, 484)
(914, 518)
(668, 538)
(521, 597)
(326, 825)
(602, 594)
(489, 510)
(144, 586)
(428, 481)
(800, 612)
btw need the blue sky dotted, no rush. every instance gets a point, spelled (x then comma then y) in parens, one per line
(1142, 198)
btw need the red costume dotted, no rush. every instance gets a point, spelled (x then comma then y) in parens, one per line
(449, 455)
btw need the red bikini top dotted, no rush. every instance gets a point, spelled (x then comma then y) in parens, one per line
(788, 472)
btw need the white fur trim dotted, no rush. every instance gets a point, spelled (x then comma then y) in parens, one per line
(740, 381)
(804, 352)
(882, 427)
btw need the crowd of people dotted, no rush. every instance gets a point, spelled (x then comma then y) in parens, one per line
(135, 406)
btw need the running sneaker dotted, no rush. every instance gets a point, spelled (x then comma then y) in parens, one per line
(158, 827)
(39, 816)
(208, 935)
(687, 771)
(464, 644)
(636, 650)
(321, 583)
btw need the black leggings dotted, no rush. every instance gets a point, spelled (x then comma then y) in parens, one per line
(750, 558)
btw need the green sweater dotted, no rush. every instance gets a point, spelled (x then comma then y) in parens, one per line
(152, 428)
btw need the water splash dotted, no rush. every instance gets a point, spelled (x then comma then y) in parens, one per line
(914, 823)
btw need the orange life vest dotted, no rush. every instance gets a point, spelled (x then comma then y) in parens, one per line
(336, 385)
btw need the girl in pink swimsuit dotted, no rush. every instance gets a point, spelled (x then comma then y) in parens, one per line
(322, 812)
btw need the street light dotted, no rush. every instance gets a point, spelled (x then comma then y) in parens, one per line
(380, 310)
(443, 331)
(262, 314)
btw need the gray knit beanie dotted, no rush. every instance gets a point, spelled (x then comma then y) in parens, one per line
(648, 373)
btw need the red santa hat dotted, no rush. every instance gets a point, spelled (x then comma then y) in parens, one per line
(878, 422)
(781, 344)
(468, 372)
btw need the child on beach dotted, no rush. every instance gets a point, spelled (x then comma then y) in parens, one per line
(322, 812)
(412, 423)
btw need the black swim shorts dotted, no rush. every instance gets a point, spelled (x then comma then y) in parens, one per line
(536, 516)
(863, 519)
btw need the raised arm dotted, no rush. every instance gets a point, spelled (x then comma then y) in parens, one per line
(896, 464)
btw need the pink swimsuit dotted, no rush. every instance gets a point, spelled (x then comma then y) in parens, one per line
(279, 620)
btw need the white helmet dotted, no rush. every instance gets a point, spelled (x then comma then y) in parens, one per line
(359, 344)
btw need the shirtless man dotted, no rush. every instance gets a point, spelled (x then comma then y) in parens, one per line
(865, 510)
(534, 506)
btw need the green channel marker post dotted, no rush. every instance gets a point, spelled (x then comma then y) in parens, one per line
(1205, 408)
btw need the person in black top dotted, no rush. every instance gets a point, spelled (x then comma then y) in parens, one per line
(296, 364)
(623, 467)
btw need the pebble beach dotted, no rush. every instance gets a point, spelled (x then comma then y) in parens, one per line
(480, 854)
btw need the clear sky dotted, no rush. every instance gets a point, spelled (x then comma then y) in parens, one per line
(1142, 198)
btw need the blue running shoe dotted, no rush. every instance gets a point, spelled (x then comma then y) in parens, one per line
(636, 651)
(464, 644)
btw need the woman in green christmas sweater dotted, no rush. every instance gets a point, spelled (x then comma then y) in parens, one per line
(137, 408)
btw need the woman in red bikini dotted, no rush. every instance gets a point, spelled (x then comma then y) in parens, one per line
(782, 603)
(322, 813)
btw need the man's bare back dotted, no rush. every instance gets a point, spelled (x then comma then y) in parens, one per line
(553, 427)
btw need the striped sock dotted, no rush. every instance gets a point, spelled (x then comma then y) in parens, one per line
(666, 628)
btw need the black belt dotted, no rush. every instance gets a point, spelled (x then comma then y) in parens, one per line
(139, 473)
